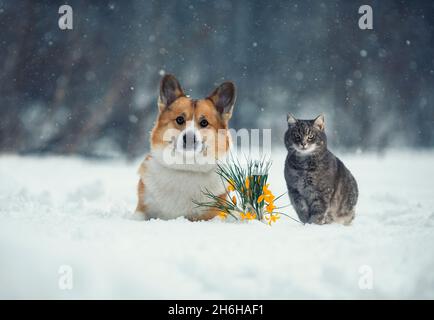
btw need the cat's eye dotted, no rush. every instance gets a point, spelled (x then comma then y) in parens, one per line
(180, 120)
(310, 136)
(203, 123)
(297, 137)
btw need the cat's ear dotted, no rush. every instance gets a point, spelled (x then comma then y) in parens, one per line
(223, 98)
(290, 119)
(170, 90)
(319, 122)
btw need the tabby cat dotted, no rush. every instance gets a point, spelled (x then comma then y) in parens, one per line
(321, 189)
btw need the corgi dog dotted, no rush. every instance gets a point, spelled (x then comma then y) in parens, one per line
(189, 138)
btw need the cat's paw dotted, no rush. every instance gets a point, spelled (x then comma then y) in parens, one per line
(317, 219)
(304, 218)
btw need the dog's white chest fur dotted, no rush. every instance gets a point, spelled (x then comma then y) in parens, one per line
(169, 193)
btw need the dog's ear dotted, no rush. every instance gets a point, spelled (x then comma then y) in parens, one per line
(170, 90)
(223, 98)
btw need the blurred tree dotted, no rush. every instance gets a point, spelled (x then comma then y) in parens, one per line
(92, 90)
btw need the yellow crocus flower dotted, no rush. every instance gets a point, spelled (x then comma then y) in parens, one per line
(248, 215)
(272, 218)
(231, 186)
(222, 214)
(267, 197)
(270, 207)
(251, 216)
(265, 189)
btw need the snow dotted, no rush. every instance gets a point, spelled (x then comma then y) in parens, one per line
(60, 211)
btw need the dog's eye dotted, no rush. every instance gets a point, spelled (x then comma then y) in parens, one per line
(204, 123)
(180, 120)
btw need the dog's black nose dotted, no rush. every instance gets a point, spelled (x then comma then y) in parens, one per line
(189, 140)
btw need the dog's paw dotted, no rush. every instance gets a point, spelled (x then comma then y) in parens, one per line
(139, 216)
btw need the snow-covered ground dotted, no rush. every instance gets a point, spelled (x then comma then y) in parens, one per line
(72, 212)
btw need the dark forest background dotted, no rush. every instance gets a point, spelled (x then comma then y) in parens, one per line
(93, 90)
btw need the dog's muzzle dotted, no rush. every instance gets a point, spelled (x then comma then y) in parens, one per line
(189, 140)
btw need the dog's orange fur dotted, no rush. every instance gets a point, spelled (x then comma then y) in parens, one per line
(197, 110)
(208, 214)
(218, 125)
(141, 207)
(184, 106)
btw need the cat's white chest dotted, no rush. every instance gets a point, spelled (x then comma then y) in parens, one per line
(169, 193)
